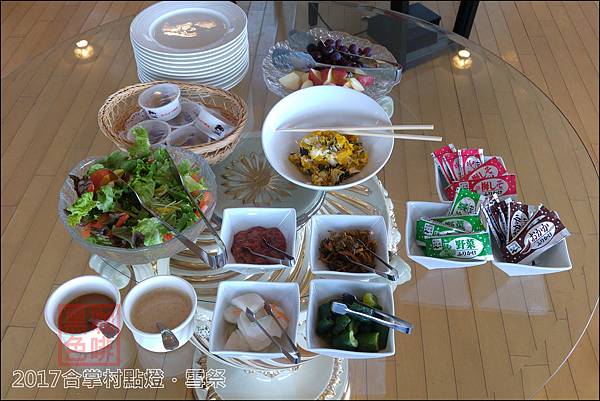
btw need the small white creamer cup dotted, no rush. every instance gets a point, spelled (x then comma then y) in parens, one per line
(158, 131)
(89, 341)
(183, 332)
(170, 92)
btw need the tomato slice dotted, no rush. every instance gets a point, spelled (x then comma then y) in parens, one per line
(101, 221)
(102, 177)
(204, 202)
(86, 232)
(167, 237)
(122, 219)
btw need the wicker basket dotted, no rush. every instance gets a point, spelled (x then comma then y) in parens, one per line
(117, 109)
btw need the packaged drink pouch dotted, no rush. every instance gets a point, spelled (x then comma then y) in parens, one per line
(490, 169)
(452, 164)
(467, 223)
(469, 160)
(518, 217)
(543, 231)
(495, 211)
(438, 159)
(505, 185)
(465, 202)
(427, 228)
(460, 246)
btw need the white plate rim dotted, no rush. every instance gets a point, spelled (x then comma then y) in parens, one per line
(139, 24)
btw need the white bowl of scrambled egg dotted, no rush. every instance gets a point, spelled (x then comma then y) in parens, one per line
(325, 160)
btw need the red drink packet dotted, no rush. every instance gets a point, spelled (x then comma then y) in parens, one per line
(469, 160)
(489, 169)
(452, 164)
(438, 159)
(505, 185)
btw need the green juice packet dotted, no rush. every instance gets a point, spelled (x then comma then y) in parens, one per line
(428, 228)
(466, 246)
(470, 223)
(465, 203)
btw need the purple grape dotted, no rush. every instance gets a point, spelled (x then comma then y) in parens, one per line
(338, 43)
(328, 50)
(317, 55)
(337, 57)
(353, 48)
(329, 42)
(343, 49)
(367, 51)
(311, 47)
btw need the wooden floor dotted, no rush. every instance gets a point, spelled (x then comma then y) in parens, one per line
(554, 43)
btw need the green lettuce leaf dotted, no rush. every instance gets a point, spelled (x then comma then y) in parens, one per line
(99, 240)
(115, 160)
(81, 207)
(94, 168)
(152, 230)
(106, 197)
(193, 185)
(141, 147)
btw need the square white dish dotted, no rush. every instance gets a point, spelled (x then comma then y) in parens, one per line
(416, 210)
(554, 260)
(324, 290)
(286, 295)
(441, 182)
(238, 219)
(322, 224)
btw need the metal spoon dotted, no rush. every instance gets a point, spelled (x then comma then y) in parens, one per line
(342, 309)
(252, 317)
(169, 340)
(349, 299)
(107, 329)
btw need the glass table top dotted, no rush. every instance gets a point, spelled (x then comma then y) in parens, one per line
(478, 332)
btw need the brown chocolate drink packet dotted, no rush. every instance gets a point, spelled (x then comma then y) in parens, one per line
(543, 230)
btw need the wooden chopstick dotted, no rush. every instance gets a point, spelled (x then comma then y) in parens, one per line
(378, 128)
(396, 136)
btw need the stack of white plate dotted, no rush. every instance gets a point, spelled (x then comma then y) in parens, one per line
(195, 41)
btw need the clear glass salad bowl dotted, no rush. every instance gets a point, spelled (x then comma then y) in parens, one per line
(380, 88)
(146, 254)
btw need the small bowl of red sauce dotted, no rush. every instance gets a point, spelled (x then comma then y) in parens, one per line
(71, 306)
(245, 229)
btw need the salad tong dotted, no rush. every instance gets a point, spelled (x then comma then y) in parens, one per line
(252, 317)
(182, 238)
(281, 261)
(386, 320)
(350, 299)
(213, 261)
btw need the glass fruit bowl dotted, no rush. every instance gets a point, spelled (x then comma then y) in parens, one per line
(377, 90)
(146, 254)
